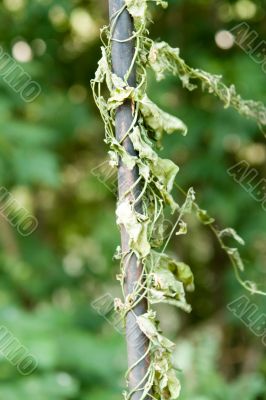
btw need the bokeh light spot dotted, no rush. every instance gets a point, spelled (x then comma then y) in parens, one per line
(21, 51)
(224, 39)
(77, 94)
(14, 5)
(245, 9)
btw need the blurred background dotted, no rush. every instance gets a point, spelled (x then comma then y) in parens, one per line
(52, 159)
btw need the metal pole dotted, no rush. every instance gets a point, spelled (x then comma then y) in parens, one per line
(122, 55)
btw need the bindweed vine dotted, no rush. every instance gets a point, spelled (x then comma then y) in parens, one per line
(232, 252)
(163, 58)
(164, 279)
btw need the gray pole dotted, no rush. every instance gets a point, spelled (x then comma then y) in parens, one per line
(122, 54)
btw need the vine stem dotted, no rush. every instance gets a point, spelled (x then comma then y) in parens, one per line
(123, 56)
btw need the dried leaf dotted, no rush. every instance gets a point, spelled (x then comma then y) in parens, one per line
(113, 159)
(144, 149)
(234, 254)
(204, 217)
(168, 277)
(232, 233)
(182, 229)
(187, 206)
(137, 231)
(165, 171)
(158, 120)
(163, 58)
(183, 272)
(103, 69)
(138, 9)
(118, 97)
(147, 324)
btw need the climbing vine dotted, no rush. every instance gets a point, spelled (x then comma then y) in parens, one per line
(164, 279)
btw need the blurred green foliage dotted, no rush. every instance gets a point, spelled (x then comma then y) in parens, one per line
(47, 151)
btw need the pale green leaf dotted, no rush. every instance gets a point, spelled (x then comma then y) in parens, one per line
(232, 233)
(158, 120)
(182, 229)
(188, 204)
(163, 58)
(137, 9)
(185, 275)
(137, 230)
(144, 149)
(234, 254)
(204, 217)
(165, 170)
(147, 324)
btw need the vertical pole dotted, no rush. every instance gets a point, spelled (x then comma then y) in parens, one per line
(122, 55)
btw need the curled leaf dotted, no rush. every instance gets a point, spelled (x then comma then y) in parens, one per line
(168, 280)
(190, 198)
(144, 149)
(165, 171)
(137, 230)
(167, 289)
(103, 70)
(166, 383)
(137, 9)
(160, 121)
(232, 233)
(182, 229)
(148, 325)
(236, 258)
(173, 385)
(163, 58)
(183, 272)
(118, 97)
(113, 159)
(204, 217)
